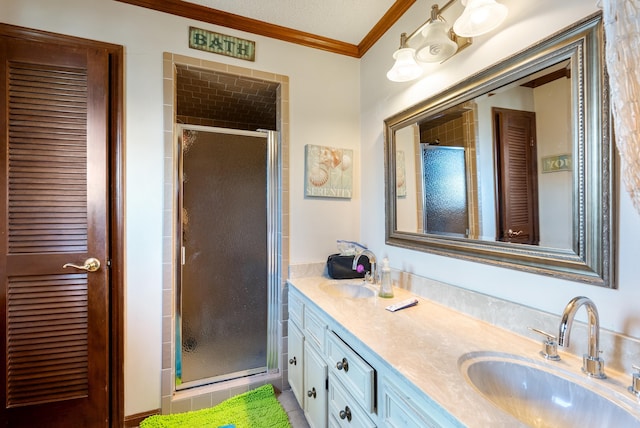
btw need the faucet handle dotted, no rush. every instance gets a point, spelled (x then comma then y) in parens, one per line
(635, 381)
(549, 345)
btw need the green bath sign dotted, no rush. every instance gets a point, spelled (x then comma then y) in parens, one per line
(222, 44)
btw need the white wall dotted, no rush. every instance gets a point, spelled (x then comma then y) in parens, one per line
(407, 206)
(554, 137)
(527, 22)
(324, 107)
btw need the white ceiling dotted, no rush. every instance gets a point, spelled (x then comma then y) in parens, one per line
(344, 20)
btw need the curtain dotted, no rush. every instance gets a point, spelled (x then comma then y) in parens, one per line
(622, 32)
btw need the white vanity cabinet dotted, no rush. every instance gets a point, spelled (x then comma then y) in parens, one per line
(343, 383)
(307, 366)
(333, 385)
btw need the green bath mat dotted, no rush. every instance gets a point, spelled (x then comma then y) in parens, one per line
(258, 408)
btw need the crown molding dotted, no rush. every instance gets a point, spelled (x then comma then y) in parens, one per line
(393, 14)
(254, 26)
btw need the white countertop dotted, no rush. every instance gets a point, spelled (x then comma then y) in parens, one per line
(424, 344)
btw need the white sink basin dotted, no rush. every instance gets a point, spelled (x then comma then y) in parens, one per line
(541, 396)
(350, 289)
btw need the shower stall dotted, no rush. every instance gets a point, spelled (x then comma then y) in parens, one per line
(228, 250)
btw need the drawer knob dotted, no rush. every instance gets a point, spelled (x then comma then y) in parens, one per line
(343, 365)
(293, 361)
(346, 413)
(312, 393)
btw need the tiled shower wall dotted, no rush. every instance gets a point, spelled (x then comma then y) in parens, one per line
(213, 98)
(207, 396)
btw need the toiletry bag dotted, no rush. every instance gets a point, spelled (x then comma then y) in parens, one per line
(340, 267)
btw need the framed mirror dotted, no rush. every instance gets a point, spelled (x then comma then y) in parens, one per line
(513, 166)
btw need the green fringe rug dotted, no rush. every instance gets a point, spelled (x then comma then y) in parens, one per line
(258, 408)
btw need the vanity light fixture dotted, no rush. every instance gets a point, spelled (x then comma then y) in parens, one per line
(439, 42)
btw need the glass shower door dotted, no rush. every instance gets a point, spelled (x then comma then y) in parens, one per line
(223, 285)
(445, 190)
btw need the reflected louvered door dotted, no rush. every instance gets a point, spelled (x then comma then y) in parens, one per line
(518, 194)
(54, 115)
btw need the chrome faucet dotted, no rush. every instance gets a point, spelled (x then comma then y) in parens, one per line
(592, 364)
(371, 276)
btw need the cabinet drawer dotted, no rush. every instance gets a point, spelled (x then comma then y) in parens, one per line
(315, 328)
(344, 411)
(296, 308)
(354, 372)
(399, 411)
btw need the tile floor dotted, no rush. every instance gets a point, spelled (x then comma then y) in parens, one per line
(295, 413)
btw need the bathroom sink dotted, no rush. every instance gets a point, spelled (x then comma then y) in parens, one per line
(541, 396)
(351, 289)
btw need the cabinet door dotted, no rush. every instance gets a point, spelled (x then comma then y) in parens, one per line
(296, 356)
(315, 381)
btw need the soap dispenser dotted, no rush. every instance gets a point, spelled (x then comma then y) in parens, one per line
(385, 280)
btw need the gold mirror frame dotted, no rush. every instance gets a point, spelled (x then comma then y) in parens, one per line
(592, 258)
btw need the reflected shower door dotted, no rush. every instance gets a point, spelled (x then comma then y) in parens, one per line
(223, 307)
(445, 190)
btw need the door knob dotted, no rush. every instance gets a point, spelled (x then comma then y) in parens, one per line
(90, 265)
(513, 233)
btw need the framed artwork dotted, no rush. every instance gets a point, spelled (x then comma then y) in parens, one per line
(328, 172)
(556, 163)
(401, 175)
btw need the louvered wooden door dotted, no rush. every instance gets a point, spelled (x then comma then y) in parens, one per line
(54, 205)
(517, 176)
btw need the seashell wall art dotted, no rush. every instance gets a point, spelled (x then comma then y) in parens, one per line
(328, 172)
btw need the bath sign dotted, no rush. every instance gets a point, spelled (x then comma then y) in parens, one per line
(222, 44)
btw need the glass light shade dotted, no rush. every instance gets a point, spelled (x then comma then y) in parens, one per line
(479, 17)
(405, 68)
(438, 46)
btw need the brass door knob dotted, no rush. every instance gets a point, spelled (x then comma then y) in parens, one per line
(90, 265)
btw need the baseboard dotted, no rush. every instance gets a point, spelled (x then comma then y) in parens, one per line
(132, 421)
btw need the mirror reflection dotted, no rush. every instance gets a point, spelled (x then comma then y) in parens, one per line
(495, 168)
(512, 166)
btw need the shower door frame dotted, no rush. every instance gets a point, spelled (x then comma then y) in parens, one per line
(274, 229)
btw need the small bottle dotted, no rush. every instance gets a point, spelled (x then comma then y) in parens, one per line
(385, 280)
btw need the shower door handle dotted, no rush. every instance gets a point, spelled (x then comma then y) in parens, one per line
(90, 265)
